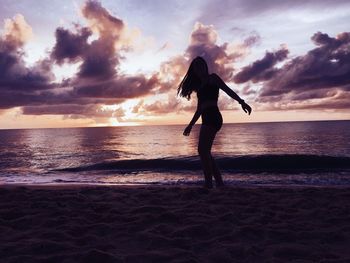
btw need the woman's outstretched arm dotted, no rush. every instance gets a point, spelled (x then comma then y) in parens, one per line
(196, 116)
(222, 85)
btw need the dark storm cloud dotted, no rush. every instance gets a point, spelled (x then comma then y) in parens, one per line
(261, 69)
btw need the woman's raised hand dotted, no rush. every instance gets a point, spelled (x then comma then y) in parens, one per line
(246, 108)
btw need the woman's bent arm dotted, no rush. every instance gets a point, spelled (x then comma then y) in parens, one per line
(196, 116)
(222, 85)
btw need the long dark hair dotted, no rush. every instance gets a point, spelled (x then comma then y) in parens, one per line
(191, 82)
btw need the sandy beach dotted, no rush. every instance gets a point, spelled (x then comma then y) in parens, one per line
(174, 224)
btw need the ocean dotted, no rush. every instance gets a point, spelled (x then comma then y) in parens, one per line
(284, 153)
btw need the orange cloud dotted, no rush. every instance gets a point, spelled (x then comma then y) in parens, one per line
(17, 31)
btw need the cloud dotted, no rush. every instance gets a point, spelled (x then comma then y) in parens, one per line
(167, 104)
(123, 87)
(98, 47)
(319, 79)
(247, 90)
(324, 67)
(19, 84)
(165, 46)
(220, 58)
(17, 81)
(160, 107)
(97, 81)
(334, 100)
(98, 75)
(204, 42)
(100, 20)
(252, 40)
(229, 10)
(72, 111)
(262, 69)
(70, 46)
(17, 31)
(101, 57)
(114, 87)
(314, 77)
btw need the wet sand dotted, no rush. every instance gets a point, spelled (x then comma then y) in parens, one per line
(174, 224)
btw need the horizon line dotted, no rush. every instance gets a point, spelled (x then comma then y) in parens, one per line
(170, 124)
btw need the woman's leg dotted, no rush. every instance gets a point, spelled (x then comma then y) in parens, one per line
(206, 138)
(216, 173)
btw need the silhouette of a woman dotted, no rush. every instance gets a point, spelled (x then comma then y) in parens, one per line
(207, 87)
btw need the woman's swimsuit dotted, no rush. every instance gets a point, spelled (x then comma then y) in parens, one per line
(211, 115)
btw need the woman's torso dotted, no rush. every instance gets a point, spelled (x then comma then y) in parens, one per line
(208, 94)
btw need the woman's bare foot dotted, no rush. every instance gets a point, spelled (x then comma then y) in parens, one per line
(220, 185)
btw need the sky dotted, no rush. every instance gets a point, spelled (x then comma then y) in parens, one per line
(116, 63)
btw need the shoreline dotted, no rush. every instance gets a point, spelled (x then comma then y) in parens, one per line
(135, 186)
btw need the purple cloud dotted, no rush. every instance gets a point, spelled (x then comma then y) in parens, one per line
(220, 59)
(325, 67)
(320, 77)
(313, 80)
(70, 46)
(17, 81)
(261, 69)
(96, 83)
